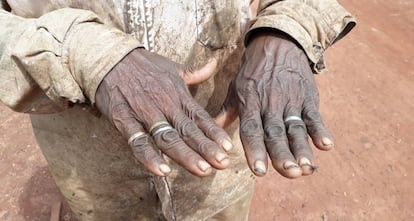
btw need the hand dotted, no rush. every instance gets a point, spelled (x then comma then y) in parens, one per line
(274, 90)
(145, 89)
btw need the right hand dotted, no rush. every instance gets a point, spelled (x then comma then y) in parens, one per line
(146, 88)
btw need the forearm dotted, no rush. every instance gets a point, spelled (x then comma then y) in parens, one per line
(58, 58)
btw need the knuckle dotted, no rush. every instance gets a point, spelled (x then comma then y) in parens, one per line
(213, 131)
(168, 139)
(274, 129)
(200, 115)
(205, 148)
(140, 142)
(191, 109)
(312, 116)
(178, 120)
(250, 127)
(187, 129)
(295, 128)
(120, 112)
(316, 128)
(142, 149)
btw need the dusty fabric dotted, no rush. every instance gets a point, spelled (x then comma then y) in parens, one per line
(51, 55)
(315, 24)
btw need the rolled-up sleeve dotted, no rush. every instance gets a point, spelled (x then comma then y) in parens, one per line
(314, 24)
(56, 59)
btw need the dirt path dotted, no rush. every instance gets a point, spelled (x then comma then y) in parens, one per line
(367, 101)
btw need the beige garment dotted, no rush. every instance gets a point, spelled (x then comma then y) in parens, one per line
(51, 55)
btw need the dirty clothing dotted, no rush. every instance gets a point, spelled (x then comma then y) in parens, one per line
(54, 54)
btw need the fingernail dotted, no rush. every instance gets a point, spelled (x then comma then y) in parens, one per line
(289, 165)
(327, 142)
(260, 167)
(203, 166)
(305, 162)
(164, 168)
(227, 145)
(220, 157)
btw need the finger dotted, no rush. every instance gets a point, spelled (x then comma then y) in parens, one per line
(172, 145)
(278, 146)
(251, 130)
(298, 140)
(251, 134)
(168, 141)
(229, 111)
(196, 139)
(139, 141)
(193, 76)
(143, 150)
(226, 117)
(321, 137)
(273, 104)
(207, 125)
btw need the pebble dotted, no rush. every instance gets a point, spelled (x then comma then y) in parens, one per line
(368, 145)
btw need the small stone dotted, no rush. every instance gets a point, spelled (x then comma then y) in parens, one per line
(390, 168)
(368, 145)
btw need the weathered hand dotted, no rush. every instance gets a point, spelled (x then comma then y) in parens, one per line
(145, 88)
(274, 84)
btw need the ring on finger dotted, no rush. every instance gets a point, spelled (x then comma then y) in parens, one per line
(135, 136)
(159, 127)
(290, 118)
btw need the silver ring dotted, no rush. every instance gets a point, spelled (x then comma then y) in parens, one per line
(135, 136)
(161, 129)
(292, 118)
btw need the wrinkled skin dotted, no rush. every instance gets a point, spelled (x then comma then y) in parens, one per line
(145, 88)
(275, 82)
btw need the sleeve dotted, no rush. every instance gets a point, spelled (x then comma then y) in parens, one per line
(57, 59)
(314, 24)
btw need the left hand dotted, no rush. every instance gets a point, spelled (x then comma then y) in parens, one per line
(277, 99)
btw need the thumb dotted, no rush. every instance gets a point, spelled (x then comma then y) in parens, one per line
(193, 76)
(226, 117)
(229, 110)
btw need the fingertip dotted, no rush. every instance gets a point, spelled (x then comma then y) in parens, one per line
(203, 166)
(306, 166)
(227, 144)
(327, 142)
(259, 168)
(288, 169)
(165, 169)
(222, 160)
(324, 143)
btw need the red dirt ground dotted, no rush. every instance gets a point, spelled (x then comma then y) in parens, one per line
(367, 101)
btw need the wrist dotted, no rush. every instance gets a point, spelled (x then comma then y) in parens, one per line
(269, 32)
